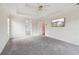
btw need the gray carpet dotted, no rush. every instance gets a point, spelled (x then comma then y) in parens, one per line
(39, 45)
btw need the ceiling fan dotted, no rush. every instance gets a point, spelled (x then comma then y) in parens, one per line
(38, 6)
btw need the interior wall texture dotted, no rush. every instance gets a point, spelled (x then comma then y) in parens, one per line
(4, 37)
(17, 28)
(69, 33)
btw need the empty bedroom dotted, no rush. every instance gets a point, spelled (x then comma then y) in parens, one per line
(39, 28)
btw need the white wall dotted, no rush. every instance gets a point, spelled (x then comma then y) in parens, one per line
(36, 28)
(3, 28)
(69, 33)
(17, 28)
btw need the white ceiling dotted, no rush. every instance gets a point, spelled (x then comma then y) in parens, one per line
(31, 10)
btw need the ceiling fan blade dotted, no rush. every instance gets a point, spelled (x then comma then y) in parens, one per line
(77, 3)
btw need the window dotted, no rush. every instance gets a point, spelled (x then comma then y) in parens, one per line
(58, 22)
